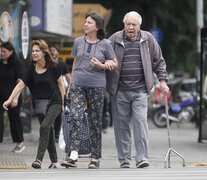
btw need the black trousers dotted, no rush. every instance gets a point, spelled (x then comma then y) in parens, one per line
(15, 122)
(46, 141)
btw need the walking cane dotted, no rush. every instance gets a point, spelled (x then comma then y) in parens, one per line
(170, 150)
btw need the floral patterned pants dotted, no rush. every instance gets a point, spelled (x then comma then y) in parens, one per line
(95, 100)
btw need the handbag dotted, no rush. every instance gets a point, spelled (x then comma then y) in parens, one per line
(85, 143)
(41, 106)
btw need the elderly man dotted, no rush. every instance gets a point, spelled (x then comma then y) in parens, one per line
(138, 55)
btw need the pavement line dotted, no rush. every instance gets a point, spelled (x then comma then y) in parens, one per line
(197, 164)
(15, 167)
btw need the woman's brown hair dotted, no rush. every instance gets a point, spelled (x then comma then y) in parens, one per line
(49, 61)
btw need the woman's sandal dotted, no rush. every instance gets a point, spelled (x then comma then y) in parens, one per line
(37, 164)
(53, 166)
(94, 165)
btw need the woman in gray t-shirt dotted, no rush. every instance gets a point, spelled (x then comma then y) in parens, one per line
(93, 54)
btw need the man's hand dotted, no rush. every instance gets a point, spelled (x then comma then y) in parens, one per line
(164, 87)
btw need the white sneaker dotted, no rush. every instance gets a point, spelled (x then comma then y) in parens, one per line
(18, 149)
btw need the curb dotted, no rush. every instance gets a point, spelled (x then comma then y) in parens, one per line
(197, 164)
(15, 167)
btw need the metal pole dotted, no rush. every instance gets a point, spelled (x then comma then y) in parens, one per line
(170, 150)
(199, 12)
(168, 123)
(201, 89)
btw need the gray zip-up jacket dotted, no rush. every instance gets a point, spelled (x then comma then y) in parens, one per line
(152, 60)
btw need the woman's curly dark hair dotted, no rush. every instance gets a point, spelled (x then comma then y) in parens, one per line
(98, 18)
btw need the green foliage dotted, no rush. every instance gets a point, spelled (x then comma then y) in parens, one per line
(178, 23)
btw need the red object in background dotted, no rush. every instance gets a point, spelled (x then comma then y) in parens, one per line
(30, 101)
(159, 98)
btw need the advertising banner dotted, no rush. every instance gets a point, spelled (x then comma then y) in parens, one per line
(25, 35)
(58, 16)
(6, 27)
(37, 15)
(53, 16)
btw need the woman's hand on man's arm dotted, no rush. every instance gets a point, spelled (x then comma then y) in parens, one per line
(111, 64)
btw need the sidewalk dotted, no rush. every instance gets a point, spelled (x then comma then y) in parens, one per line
(183, 140)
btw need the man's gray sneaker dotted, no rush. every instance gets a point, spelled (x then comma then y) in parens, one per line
(18, 149)
(125, 165)
(142, 164)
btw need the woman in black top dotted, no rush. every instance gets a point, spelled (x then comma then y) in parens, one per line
(43, 77)
(11, 71)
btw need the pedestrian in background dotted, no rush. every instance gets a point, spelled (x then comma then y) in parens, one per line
(43, 78)
(11, 72)
(138, 55)
(106, 113)
(93, 54)
(65, 73)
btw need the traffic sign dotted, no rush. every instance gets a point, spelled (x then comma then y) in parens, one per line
(157, 33)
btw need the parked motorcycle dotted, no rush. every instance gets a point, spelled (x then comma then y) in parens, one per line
(178, 112)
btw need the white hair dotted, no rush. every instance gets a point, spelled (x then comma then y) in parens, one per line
(135, 14)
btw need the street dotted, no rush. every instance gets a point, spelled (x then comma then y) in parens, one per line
(183, 140)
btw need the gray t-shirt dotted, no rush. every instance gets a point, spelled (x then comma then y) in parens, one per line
(84, 74)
